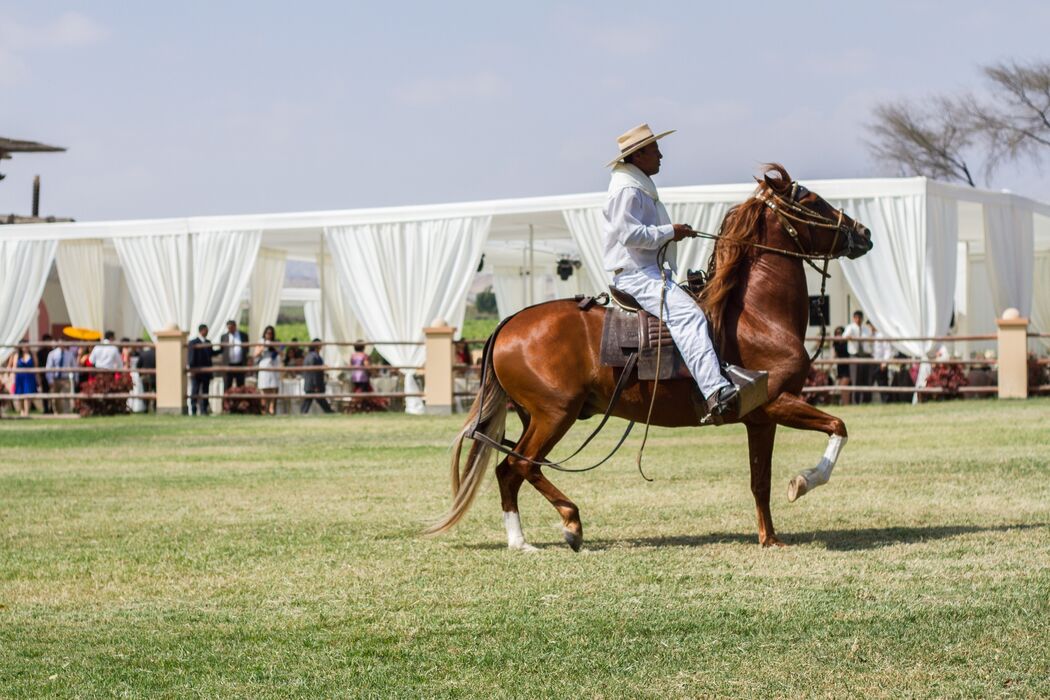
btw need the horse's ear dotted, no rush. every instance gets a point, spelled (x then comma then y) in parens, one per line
(777, 184)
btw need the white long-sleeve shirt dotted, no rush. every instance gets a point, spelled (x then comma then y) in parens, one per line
(634, 231)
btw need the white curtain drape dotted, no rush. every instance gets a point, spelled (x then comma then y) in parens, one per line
(1009, 246)
(339, 325)
(81, 271)
(906, 284)
(222, 265)
(586, 227)
(693, 253)
(509, 288)
(266, 286)
(157, 269)
(120, 314)
(400, 276)
(24, 267)
(186, 280)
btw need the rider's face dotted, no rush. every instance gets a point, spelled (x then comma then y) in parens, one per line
(648, 159)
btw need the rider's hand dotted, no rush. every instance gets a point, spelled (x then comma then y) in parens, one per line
(682, 231)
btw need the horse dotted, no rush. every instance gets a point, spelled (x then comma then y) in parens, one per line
(544, 361)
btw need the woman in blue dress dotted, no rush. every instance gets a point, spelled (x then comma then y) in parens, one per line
(25, 382)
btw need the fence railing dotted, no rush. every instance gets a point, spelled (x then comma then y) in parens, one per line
(161, 374)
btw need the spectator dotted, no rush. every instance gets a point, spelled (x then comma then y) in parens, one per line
(106, 355)
(882, 351)
(233, 353)
(41, 361)
(61, 382)
(359, 377)
(25, 382)
(268, 356)
(840, 348)
(313, 380)
(293, 355)
(201, 352)
(148, 361)
(859, 346)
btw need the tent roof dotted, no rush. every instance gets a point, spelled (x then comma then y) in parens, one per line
(299, 232)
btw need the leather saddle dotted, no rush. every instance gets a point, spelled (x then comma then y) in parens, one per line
(629, 329)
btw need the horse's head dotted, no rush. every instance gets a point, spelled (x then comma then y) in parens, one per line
(817, 227)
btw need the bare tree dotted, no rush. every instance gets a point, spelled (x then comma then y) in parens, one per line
(942, 137)
(1014, 122)
(920, 140)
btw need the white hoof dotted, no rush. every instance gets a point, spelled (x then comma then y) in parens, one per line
(797, 488)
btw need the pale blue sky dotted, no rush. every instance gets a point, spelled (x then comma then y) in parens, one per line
(182, 108)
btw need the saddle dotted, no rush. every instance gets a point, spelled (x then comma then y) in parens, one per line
(630, 329)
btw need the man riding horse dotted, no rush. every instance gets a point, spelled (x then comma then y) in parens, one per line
(637, 226)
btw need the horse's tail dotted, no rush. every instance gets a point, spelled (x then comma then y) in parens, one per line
(488, 415)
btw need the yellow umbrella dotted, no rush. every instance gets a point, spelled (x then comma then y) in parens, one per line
(81, 333)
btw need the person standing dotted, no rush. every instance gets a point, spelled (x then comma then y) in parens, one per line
(41, 361)
(313, 379)
(859, 346)
(200, 353)
(883, 352)
(106, 355)
(840, 349)
(25, 382)
(234, 353)
(60, 382)
(268, 356)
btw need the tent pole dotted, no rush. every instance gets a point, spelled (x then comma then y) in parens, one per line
(532, 268)
(324, 306)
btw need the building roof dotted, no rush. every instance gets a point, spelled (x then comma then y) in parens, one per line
(8, 146)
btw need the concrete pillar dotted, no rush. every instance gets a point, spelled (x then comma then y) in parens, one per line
(171, 371)
(1013, 355)
(438, 392)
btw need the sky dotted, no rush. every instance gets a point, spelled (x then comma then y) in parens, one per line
(198, 108)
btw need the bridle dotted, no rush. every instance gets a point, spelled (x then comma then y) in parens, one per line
(791, 211)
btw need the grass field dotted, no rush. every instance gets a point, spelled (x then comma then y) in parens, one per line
(254, 557)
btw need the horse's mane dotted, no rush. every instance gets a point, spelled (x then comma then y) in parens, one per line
(742, 223)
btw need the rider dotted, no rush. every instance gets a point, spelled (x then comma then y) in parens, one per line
(637, 225)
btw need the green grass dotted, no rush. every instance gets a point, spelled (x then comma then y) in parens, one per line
(255, 557)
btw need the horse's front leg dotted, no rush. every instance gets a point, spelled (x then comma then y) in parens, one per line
(760, 438)
(791, 411)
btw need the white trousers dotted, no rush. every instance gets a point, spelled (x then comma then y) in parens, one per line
(684, 319)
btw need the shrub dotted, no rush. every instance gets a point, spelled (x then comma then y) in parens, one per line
(106, 384)
(242, 399)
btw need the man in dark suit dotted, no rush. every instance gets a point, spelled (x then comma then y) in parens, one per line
(234, 354)
(313, 379)
(200, 353)
(148, 360)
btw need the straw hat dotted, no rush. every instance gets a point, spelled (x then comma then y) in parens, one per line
(638, 137)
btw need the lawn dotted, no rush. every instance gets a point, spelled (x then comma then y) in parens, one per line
(280, 557)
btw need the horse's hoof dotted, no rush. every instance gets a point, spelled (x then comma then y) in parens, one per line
(773, 541)
(574, 539)
(797, 488)
(523, 547)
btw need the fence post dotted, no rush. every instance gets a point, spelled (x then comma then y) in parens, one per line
(171, 371)
(438, 391)
(1013, 355)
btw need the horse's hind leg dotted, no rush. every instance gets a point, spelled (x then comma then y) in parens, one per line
(793, 412)
(540, 437)
(510, 480)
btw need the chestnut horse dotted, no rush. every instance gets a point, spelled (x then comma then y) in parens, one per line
(544, 360)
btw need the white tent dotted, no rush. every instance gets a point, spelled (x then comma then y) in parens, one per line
(939, 248)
